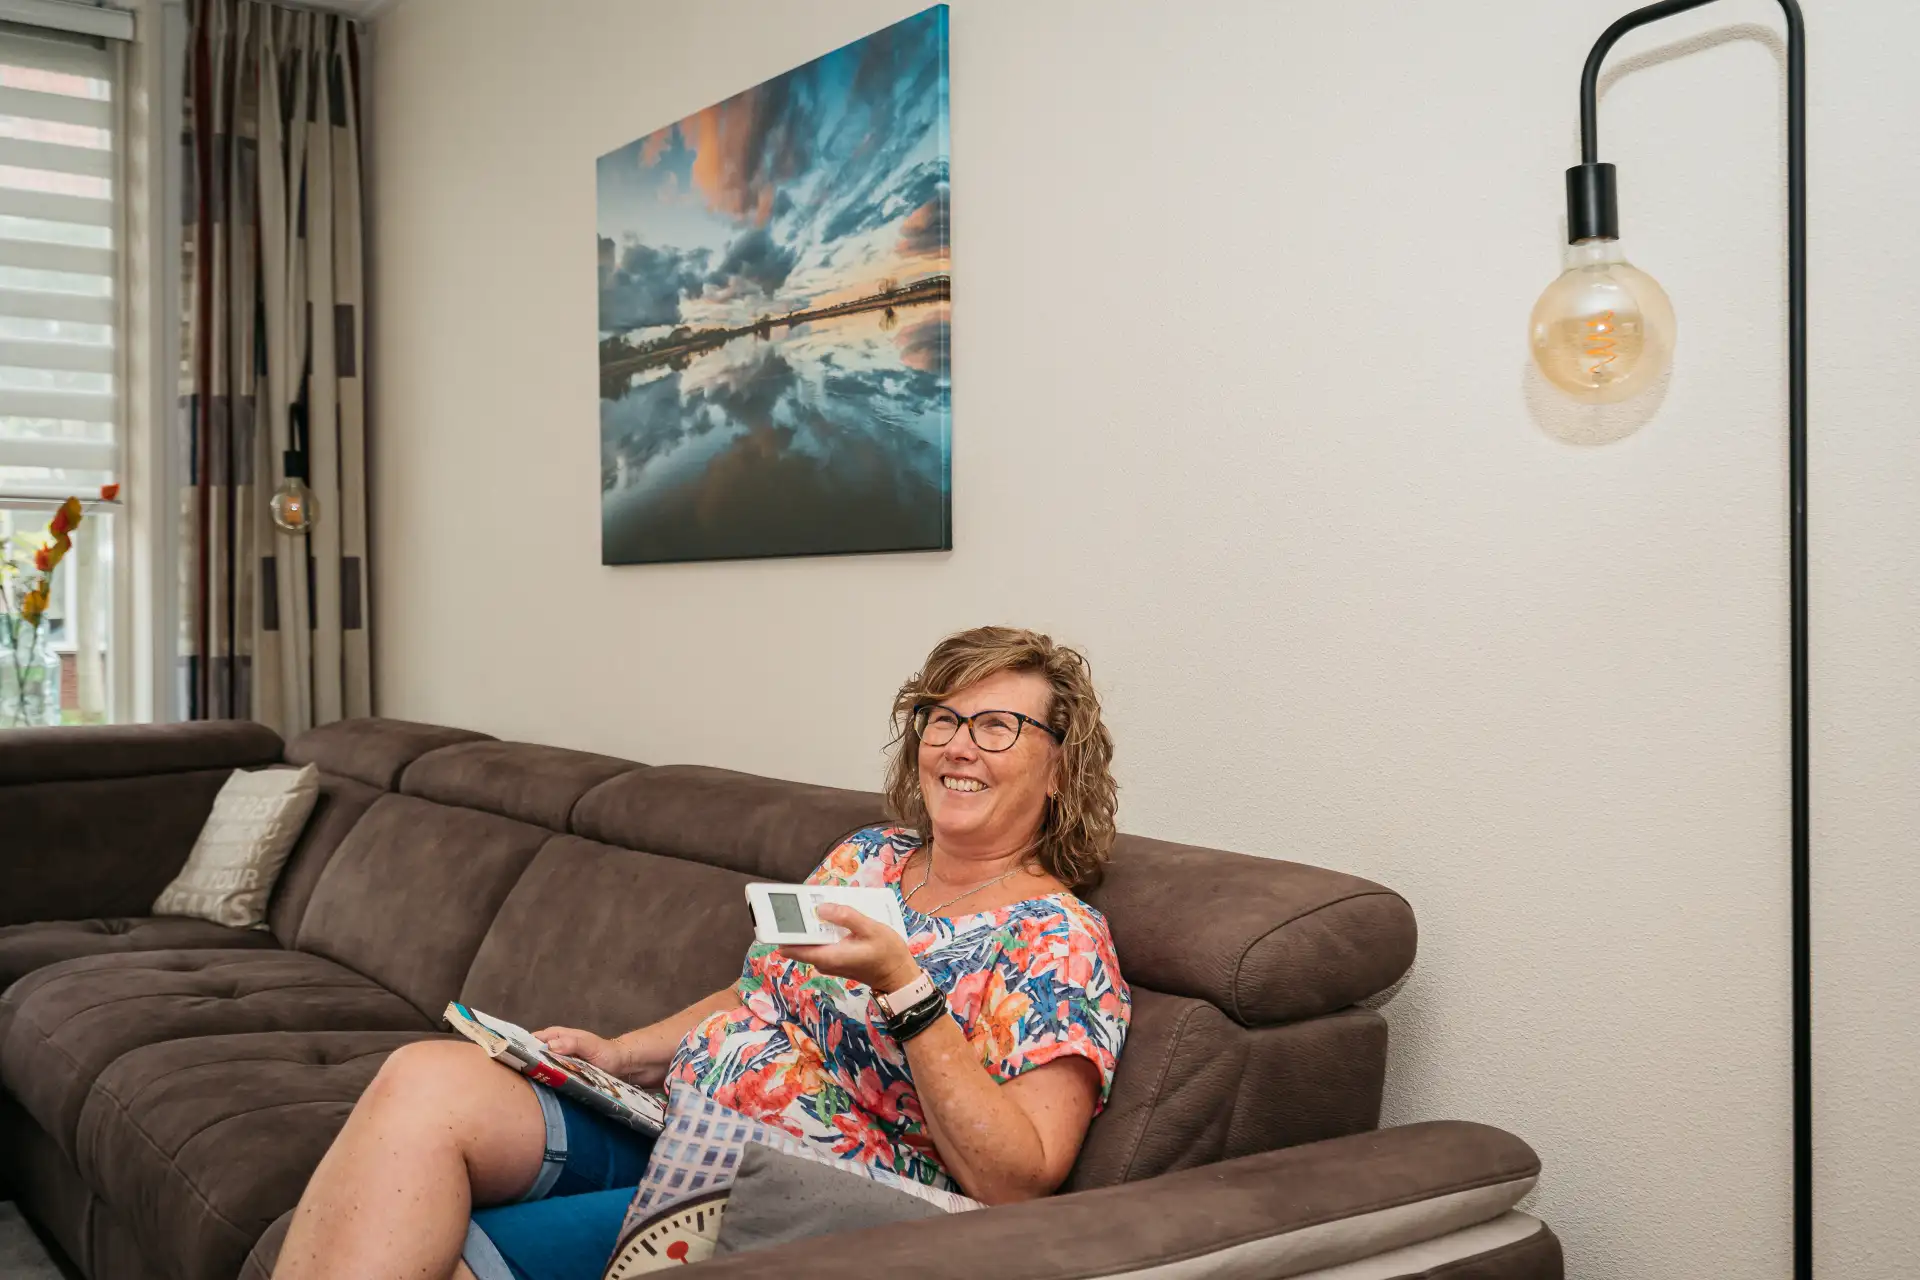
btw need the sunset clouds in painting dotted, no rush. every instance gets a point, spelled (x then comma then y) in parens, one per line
(774, 311)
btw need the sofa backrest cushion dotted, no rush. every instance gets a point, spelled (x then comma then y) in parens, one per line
(513, 779)
(763, 827)
(1306, 1081)
(1172, 1101)
(609, 939)
(1264, 940)
(412, 890)
(74, 856)
(341, 804)
(373, 750)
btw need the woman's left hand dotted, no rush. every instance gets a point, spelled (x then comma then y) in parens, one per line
(870, 954)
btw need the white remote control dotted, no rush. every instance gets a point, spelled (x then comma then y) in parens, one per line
(784, 913)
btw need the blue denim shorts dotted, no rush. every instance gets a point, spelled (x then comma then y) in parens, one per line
(566, 1225)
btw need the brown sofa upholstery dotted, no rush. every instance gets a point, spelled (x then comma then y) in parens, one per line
(166, 1086)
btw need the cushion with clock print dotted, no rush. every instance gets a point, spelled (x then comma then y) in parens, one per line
(683, 1231)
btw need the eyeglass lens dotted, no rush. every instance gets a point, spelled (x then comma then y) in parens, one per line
(992, 730)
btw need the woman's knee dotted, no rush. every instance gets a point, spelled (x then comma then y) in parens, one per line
(433, 1075)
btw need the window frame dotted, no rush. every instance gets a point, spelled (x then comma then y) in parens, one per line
(116, 28)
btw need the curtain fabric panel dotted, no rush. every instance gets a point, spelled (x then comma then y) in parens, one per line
(274, 625)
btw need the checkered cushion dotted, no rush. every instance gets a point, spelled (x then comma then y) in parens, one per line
(700, 1149)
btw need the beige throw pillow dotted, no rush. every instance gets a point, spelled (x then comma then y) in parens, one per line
(230, 874)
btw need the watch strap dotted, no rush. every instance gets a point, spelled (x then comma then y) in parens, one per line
(917, 1018)
(894, 1003)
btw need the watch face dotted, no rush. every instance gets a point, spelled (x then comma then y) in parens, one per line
(682, 1232)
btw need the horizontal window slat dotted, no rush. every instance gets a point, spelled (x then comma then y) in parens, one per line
(48, 207)
(66, 455)
(61, 406)
(68, 357)
(53, 52)
(41, 255)
(29, 104)
(34, 304)
(54, 158)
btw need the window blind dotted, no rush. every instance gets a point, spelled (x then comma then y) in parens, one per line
(59, 263)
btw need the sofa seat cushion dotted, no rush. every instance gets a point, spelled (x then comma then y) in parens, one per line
(198, 1145)
(26, 947)
(267, 1252)
(68, 1022)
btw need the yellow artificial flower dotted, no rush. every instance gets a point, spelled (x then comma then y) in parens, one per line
(33, 605)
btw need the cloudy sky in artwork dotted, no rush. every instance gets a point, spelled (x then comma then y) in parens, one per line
(808, 189)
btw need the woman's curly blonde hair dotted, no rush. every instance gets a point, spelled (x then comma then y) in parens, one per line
(1076, 831)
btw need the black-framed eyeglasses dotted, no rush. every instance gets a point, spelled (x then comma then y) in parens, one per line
(936, 725)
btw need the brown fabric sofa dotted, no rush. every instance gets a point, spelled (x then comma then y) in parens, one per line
(168, 1085)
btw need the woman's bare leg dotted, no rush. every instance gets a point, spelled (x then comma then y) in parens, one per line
(441, 1129)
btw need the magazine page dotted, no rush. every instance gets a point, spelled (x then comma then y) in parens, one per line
(571, 1077)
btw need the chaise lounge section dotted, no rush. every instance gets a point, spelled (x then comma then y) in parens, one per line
(167, 1085)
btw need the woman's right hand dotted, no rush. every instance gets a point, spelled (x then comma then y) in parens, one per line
(615, 1057)
(575, 1043)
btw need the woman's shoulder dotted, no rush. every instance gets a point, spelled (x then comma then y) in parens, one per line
(1066, 921)
(866, 856)
(1067, 910)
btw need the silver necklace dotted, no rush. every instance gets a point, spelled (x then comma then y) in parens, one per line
(934, 911)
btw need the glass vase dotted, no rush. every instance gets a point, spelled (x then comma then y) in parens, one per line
(29, 677)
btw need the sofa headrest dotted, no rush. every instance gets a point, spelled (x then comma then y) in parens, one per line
(84, 753)
(1265, 941)
(759, 826)
(373, 749)
(513, 779)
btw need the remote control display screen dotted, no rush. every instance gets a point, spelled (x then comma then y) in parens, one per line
(786, 912)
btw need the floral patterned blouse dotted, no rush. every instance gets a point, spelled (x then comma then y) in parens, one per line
(1028, 983)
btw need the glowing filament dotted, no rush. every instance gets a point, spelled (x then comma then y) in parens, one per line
(1599, 343)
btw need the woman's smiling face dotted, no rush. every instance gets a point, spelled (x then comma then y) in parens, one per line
(991, 801)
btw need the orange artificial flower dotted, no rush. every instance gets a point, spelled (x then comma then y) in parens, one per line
(108, 492)
(43, 559)
(66, 519)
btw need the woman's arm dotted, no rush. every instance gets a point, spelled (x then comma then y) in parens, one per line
(642, 1055)
(1003, 1141)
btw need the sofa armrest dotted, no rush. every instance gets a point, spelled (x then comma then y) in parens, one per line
(98, 819)
(1291, 1212)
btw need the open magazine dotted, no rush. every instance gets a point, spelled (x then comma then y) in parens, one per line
(570, 1077)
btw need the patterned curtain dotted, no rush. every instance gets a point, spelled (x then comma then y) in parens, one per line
(274, 626)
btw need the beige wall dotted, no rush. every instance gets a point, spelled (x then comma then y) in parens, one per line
(1276, 460)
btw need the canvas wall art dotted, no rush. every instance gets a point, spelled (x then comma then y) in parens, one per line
(775, 301)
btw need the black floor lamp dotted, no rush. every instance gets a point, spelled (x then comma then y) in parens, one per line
(1602, 332)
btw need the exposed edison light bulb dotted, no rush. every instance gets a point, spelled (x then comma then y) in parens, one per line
(293, 506)
(1603, 331)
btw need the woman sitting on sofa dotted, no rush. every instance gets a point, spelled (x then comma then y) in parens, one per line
(1005, 805)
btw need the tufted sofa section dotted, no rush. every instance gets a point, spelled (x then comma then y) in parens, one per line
(167, 1086)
